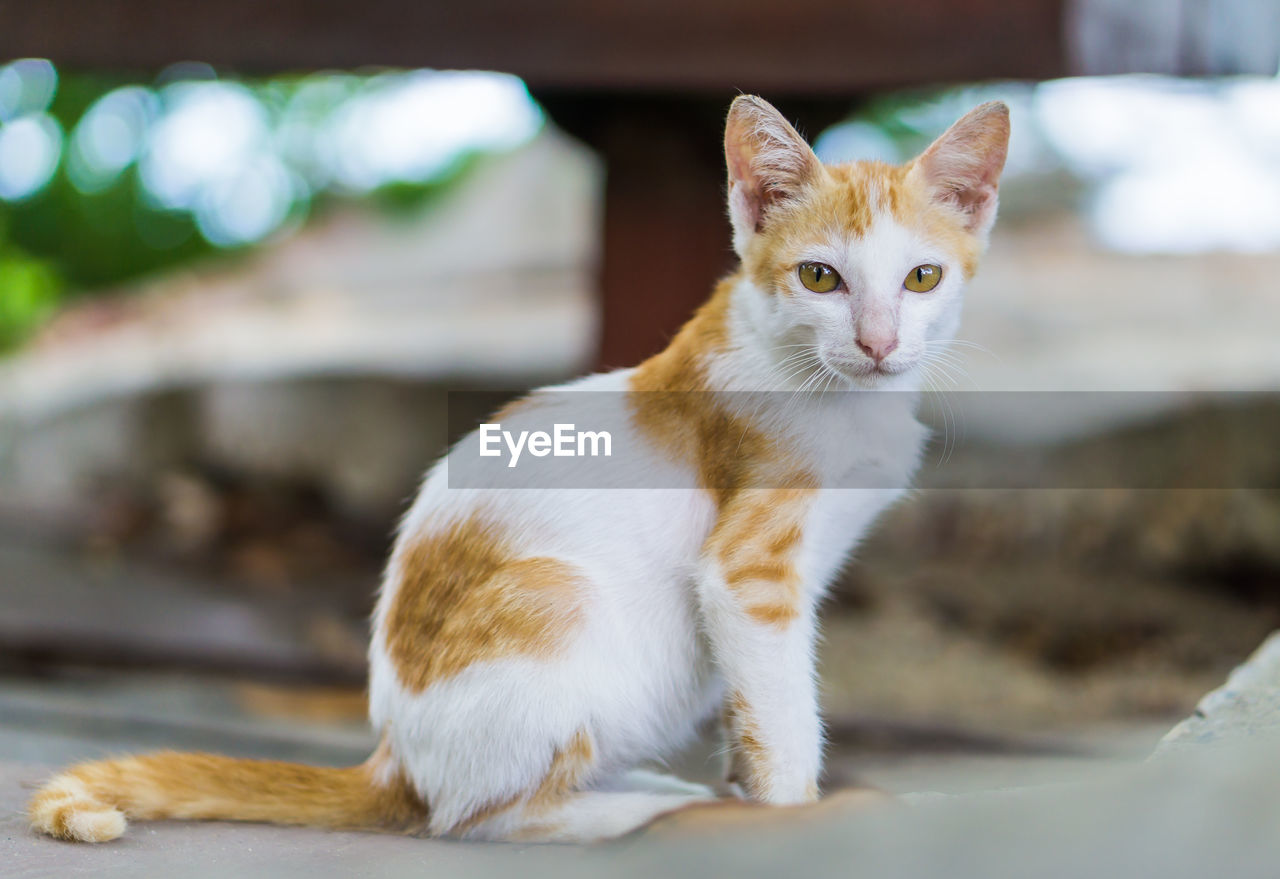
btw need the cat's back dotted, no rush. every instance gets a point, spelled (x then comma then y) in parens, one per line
(630, 523)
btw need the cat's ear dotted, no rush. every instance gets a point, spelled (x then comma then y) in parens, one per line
(962, 167)
(768, 162)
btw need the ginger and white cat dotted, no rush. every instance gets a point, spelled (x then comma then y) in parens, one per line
(532, 648)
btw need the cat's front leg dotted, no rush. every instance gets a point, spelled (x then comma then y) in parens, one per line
(760, 622)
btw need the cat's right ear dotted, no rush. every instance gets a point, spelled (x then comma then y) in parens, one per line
(962, 167)
(768, 162)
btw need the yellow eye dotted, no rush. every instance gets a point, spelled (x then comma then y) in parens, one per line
(818, 277)
(922, 279)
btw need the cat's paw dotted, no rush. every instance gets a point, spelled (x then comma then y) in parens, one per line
(66, 811)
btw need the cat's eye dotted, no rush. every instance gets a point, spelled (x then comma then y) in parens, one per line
(818, 277)
(923, 278)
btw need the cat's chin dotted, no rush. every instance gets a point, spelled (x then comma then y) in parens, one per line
(881, 381)
(862, 374)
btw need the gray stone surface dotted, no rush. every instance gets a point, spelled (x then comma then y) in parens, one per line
(1211, 807)
(62, 603)
(1247, 706)
(1210, 812)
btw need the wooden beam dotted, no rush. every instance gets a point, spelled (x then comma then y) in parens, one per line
(711, 45)
(1189, 37)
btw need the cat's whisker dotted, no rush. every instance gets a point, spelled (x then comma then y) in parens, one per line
(955, 428)
(965, 343)
(806, 364)
(813, 380)
(796, 394)
(804, 357)
(958, 375)
(794, 345)
(944, 353)
(808, 361)
(791, 366)
(834, 378)
(949, 367)
(795, 364)
(926, 377)
(942, 350)
(949, 426)
(721, 751)
(941, 370)
(799, 395)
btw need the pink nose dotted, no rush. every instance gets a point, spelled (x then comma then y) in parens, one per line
(878, 347)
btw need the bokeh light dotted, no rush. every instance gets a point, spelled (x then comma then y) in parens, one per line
(110, 136)
(412, 126)
(857, 140)
(209, 132)
(26, 86)
(241, 159)
(30, 147)
(30, 139)
(1176, 166)
(249, 203)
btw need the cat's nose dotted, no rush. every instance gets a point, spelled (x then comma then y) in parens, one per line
(877, 347)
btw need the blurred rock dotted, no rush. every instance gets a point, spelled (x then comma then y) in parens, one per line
(336, 343)
(1246, 707)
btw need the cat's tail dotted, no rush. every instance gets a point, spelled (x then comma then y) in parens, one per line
(91, 802)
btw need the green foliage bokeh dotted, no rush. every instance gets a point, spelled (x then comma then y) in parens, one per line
(63, 242)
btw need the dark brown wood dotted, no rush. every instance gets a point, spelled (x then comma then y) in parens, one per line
(666, 239)
(831, 46)
(665, 236)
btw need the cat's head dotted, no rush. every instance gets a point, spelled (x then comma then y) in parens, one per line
(863, 263)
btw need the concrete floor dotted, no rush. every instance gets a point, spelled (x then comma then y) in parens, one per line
(1214, 814)
(44, 724)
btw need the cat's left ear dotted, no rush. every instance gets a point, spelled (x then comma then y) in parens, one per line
(962, 167)
(768, 162)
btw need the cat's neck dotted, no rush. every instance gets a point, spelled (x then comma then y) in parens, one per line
(685, 365)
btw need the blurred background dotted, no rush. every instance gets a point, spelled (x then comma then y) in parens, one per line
(235, 292)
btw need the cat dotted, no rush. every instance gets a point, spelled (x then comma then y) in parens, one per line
(531, 649)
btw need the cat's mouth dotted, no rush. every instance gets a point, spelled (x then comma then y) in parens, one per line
(864, 370)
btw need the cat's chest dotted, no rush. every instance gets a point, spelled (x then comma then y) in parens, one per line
(880, 450)
(838, 519)
(864, 469)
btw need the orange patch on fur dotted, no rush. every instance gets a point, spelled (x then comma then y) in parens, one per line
(569, 766)
(466, 596)
(845, 200)
(516, 406)
(485, 813)
(940, 223)
(672, 405)
(755, 541)
(749, 765)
